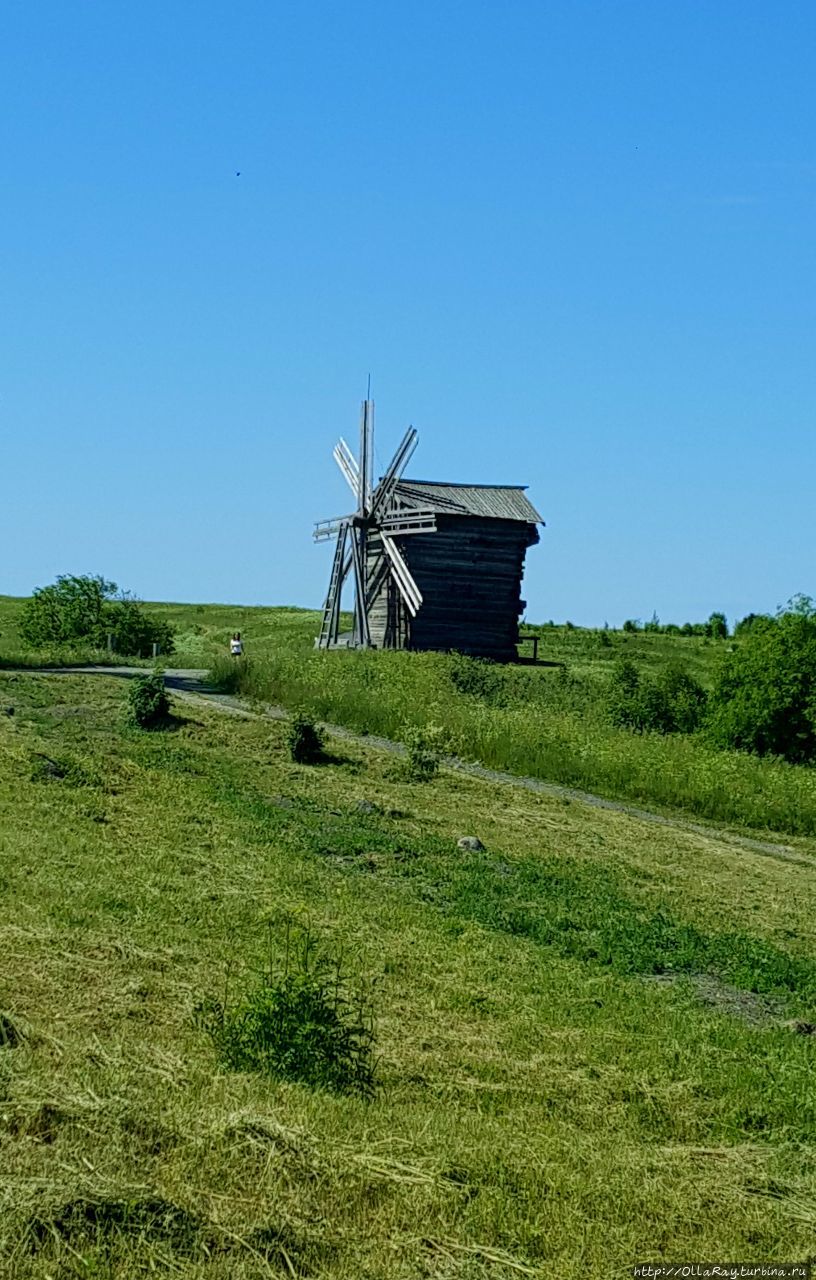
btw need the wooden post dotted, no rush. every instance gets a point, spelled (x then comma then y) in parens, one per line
(110, 642)
(155, 649)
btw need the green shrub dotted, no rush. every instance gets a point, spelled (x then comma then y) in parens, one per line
(85, 610)
(764, 697)
(670, 702)
(422, 749)
(305, 740)
(717, 626)
(135, 632)
(148, 704)
(304, 1024)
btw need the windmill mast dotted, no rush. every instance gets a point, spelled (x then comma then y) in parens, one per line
(364, 494)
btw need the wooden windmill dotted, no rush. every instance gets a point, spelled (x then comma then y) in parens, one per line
(372, 527)
(435, 565)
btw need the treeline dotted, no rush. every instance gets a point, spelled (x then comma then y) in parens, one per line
(714, 628)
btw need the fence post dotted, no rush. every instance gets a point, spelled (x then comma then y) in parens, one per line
(535, 650)
(110, 642)
(155, 649)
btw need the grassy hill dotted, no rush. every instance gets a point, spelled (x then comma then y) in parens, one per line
(582, 1061)
(548, 721)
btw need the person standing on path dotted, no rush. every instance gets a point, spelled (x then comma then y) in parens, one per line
(236, 645)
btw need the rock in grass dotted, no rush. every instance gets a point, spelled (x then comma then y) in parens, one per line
(471, 843)
(365, 806)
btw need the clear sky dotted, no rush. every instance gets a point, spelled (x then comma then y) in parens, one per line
(573, 243)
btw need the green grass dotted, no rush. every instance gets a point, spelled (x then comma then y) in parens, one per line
(543, 722)
(543, 1100)
(547, 722)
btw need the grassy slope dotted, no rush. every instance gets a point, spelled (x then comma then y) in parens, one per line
(539, 1098)
(548, 722)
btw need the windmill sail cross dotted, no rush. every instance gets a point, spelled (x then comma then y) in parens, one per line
(371, 564)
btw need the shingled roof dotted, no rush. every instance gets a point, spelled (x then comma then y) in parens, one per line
(498, 502)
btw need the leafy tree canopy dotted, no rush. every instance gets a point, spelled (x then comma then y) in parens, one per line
(764, 699)
(85, 610)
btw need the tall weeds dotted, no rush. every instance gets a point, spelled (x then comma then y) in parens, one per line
(546, 723)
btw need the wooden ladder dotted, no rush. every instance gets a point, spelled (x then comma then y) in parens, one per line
(331, 609)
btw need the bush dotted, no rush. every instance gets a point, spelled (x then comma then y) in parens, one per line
(671, 702)
(305, 740)
(148, 703)
(84, 610)
(304, 1024)
(135, 632)
(422, 747)
(764, 698)
(630, 625)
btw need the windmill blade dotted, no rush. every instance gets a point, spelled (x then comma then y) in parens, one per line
(385, 489)
(348, 465)
(409, 590)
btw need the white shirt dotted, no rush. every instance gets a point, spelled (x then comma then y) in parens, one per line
(236, 648)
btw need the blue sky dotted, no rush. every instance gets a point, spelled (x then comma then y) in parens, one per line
(572, 242)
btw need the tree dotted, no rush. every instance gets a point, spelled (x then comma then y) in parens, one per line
(764, 698)
(717, 626)
(84, 610)
(750, 621)
(69, 611)
(653, 624)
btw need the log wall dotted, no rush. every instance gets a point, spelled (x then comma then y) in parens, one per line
(469, 572)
